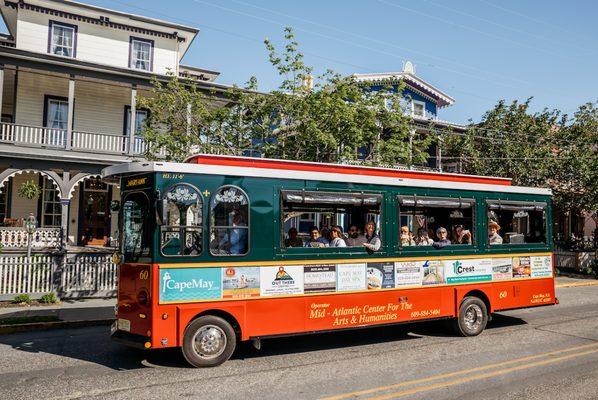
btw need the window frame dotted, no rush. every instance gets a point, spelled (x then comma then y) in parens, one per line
(333, 250)
(48, 185)
(51, 25)
(150, 237)
(521, 246)
(210, 226)
(151, 53)
(453, 247)
(419, 102)
(202, 226)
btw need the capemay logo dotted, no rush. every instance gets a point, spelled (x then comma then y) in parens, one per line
(168, 283)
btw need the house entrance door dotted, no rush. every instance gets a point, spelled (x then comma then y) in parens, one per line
(94, 224)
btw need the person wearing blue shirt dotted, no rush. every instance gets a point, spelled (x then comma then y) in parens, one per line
(237, 242)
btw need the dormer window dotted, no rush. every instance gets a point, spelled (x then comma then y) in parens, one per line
(418, 109)
(62, 39)
(141, 54)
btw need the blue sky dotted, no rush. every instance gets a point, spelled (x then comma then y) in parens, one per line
(478, 51)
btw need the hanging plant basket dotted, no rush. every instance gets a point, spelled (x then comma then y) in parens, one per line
(29, 190)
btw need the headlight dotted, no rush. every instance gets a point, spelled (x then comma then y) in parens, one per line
(117, 258)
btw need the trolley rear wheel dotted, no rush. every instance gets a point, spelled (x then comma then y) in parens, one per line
(473, 317)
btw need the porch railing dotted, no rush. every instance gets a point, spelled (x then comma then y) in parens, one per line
(68, 275)
(17, 238)
(94, 142)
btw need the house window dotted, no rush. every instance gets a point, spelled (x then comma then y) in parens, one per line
(418, 109)
(4, 200)
(141, 54)
(140, 118)
(51, 212)
(57, 110)
(62, 39)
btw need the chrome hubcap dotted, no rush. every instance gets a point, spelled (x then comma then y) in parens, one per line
(473, 317)
(209, 341)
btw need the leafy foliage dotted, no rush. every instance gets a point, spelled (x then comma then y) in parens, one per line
(336, 120)
(29, 190)
(48, 298)
(22, 299)
(535, 149)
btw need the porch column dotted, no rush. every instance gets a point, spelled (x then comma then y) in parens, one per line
(132, 118)
(64, 221)
(69, 122)
(1, 85)
(65, 202)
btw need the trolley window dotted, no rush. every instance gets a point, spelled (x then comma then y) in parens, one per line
(309, 218)
(516, 222)
(136, 226)
(181, 233)
(229, 222)
(435, 221)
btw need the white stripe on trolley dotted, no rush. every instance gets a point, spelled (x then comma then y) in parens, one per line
(205, 169)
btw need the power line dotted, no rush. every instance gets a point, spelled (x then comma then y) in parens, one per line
(517, 30)
(473, 29)
(538, 21)
(376, 40)
(354, 44)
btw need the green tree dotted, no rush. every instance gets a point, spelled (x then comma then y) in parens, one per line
(544, 148)
(333, 120)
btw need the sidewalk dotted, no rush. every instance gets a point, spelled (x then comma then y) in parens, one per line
(68, 313)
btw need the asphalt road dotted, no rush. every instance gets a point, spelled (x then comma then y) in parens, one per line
(543, 353)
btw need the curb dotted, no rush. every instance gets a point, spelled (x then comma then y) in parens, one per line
(38, 326)
(576, 284)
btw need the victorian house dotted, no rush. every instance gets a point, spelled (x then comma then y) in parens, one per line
(423, 102)
(70, 77)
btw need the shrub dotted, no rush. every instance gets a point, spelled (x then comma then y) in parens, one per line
(22, 298)
(48, 298)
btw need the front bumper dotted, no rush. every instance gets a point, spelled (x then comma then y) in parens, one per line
(128, 339)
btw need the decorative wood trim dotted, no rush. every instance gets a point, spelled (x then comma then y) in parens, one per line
(103, 21)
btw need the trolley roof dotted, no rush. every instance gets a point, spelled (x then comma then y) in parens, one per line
(302, 170)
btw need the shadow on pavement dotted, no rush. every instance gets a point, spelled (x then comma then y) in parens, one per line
(93, 344)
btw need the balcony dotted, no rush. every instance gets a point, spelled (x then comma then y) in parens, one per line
(90, 142)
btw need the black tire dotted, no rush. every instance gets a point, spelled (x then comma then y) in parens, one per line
(208, 341)
(473, 317)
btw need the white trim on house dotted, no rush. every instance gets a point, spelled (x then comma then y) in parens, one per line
(393, 77)
(192, 168)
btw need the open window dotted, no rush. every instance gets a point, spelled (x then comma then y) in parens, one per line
(423, 219)
(229, 222)
(181, 233)
(304, 212)
(516, 222)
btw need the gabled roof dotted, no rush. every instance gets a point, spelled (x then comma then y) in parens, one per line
(442, 99)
